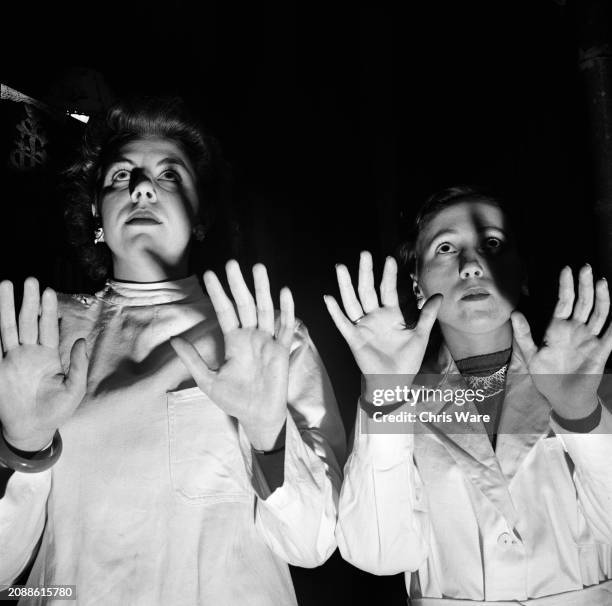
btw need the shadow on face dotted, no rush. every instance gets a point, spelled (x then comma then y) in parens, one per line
(148, 206)
(467, 253)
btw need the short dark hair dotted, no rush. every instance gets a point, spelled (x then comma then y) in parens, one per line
(163, 117)
(457, 194)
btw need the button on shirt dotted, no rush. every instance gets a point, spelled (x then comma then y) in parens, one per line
(505, 539)
(466, 522)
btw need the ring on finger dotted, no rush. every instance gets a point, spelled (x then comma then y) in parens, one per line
(355, 322)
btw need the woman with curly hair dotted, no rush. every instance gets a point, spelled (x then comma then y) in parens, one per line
(481, 470)
(166, 447)
(153, 117)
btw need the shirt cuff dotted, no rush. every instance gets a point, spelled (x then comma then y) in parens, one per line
(272, 465)
(583, 425)
(267, 468)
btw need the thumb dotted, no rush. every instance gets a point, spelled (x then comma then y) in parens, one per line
(343, 324)
(76, 377)
(194, 363)
(429, 313)
(522, 334)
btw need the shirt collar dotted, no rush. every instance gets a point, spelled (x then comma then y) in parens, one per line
(446, 365)
(151, 293)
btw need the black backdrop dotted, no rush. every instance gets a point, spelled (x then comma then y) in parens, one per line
(336, 119)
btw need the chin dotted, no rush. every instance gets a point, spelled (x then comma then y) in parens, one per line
(482, 326)
(480, 321)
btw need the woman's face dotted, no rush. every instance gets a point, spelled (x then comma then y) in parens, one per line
(467, 254)
(147, 204)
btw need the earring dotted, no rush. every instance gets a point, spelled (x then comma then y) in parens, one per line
(98, 235)
(199, 232)
(419, 301)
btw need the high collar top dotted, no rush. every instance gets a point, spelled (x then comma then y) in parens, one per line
(139, 294)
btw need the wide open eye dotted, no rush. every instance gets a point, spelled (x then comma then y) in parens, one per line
(492, 243)
(121, 175)
(445, 248)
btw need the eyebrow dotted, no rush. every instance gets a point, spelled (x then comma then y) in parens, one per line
(119, 160)
(173, 160)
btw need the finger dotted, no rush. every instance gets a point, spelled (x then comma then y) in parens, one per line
(242, 296)
(194, 363)
(351, 304)
(343, 324)
(222, 304)
(287, 317)
(28, 314)
(8, 326)
(367, 293)
(565, 302)
(606, 342)
(76, 377)
(584, 304)
(522, 334)
(388, 284)
(428, 314)
(265, 307)
(602, 307)
(48, 325)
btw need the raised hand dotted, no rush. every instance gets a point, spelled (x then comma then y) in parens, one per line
(568, 367)
(251, 384)
(376, 333)
(36, 396)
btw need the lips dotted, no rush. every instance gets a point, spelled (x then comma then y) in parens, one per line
(142, 218)
(475, 293)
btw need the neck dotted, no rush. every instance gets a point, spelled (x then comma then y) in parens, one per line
(465, 345)
(144, 270)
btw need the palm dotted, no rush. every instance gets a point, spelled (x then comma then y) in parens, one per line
(36, 396)
(31, 373)
(569, 348)
(382, 344)
(377, 335)
(251, 383)
(253, 376)
(567, 369)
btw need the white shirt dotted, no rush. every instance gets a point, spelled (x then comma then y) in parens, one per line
(156, 498)
(478, 524)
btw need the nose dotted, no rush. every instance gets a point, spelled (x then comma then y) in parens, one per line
(470, 268)
(141, 188)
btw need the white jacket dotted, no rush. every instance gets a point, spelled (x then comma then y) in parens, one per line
(531, 519)
(156, 499)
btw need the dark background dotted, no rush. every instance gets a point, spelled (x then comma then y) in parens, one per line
(338, 120)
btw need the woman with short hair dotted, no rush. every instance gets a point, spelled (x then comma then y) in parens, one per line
(482, 471)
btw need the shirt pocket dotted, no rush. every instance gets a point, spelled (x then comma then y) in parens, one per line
(206, 464)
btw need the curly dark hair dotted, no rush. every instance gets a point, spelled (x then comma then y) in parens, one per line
(163, 117)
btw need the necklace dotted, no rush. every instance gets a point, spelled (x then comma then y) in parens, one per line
(491, 385)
